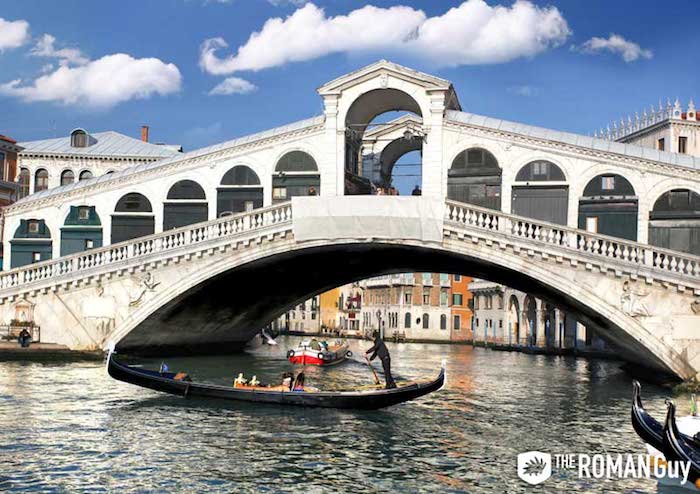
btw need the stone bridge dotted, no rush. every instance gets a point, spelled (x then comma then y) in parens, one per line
(216, 283)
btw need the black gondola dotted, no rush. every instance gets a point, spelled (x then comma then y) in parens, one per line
(647, 427)
(367, 400)
(676, 447)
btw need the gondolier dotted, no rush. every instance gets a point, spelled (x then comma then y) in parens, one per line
(380, 349)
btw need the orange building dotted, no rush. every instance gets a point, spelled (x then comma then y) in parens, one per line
(460, 308)
(9, 188)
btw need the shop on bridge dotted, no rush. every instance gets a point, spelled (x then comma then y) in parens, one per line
(239, 190)
(540, 192)
(609, 206)
(475, 178)
(133, 217)
(296, 174)
(81, 231)
(674, 222)
(31, 243)
(186, 204)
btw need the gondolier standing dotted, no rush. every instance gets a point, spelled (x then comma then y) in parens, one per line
(380, 349)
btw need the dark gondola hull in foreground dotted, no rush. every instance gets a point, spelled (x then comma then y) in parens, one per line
(647, 427)
(677, 448)
(363, 400)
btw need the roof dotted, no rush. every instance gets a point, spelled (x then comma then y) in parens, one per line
(7, 139)
(108, 144)
(594, 143)
(174, 158)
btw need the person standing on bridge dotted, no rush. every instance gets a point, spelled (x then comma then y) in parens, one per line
(379, 349)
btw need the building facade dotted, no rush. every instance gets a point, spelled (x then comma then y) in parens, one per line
(411, 306)
(461, 304)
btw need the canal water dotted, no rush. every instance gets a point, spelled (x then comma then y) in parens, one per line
(68, 427)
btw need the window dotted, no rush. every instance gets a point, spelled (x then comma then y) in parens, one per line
(608, 183)
(89, 244)
(500, 324)
(408, 297)
(426, 321)
(67, 177)
(279, 193)
(41, 180)
(33, 227)
(24, 177)
(457, 299)
(83, 213)
(85, 175)
(458, 277)
(79, 139)
(540, 168)
(592, 224)
(36, 256)
(456, 323)
(682, 145)
(477, 322)
(249, 206)
(426, 296)
(407, 321)
(2, 166)
(661, 144)
(500, 300)
(477, 298)
(443, 321)
(444, 297)
(489, 301)
(679, 199)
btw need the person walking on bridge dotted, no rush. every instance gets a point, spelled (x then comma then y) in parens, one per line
(379, 349)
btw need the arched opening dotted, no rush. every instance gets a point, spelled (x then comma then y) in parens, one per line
(41, 180)
(514, 321)
(609, 206)
(674, 222)
(186, 204)
(132, 218)
(550, 326)
(31, 243)
(67, 177)
(426, 320)
(24, 178)
(530, 304)
(475, 178)
(82, 230)
(407, 320)
(371, 126)
(85, 175)
(240, 190)
(296, 174)
(443, 321)
(540, 192)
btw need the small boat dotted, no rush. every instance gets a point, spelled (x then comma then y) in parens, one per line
(179, 384)
(676, 446)
(652, 431)
(313, 352)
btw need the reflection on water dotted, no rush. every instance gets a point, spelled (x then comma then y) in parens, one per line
(69, 427)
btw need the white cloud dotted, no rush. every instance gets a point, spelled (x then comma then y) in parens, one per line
(283, 3)
(233, 85)
(523, 90)
(628, 50)
(44, 47)
(473, 33)
(100, 83)
(13, 34)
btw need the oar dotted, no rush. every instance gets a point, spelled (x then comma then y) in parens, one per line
(376, 378)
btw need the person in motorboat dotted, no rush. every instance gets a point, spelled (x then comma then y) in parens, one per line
(379, 349)
(315, 345)
(254, 381)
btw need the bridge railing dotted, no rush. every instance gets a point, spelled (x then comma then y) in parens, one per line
(573, 239)
(199, 233)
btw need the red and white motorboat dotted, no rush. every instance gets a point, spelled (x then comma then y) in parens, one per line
(314, 352)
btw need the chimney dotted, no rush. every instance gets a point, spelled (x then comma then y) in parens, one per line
(144, 133)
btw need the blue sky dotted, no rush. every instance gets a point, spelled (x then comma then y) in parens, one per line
(559, 84)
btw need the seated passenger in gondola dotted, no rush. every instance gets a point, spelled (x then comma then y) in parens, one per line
(182, 376)
(287, 378)
(299, 383)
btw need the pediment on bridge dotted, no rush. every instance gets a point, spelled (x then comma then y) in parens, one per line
(384, 69)
(391, 127)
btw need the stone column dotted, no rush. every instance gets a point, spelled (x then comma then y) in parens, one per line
(558, 329)
(539, 326)
(433, 169)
